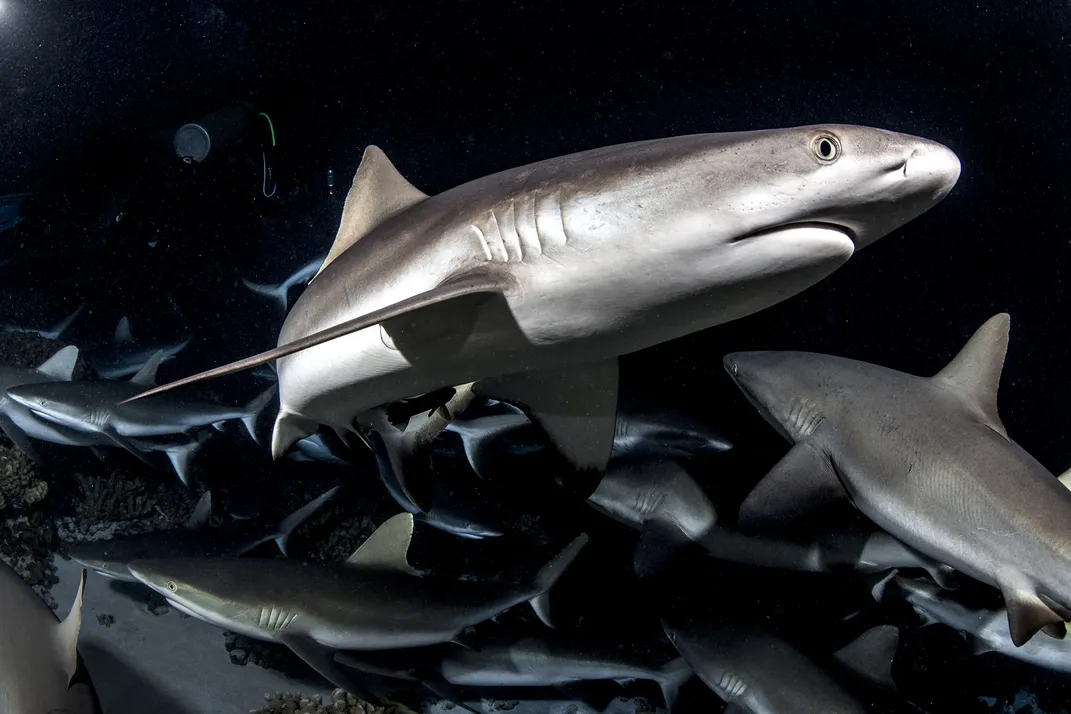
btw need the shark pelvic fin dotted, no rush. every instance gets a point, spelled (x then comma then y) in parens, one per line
(378, 193)
(66, 633)
(576, 406)
(801, 482)
(974, 373)
(289, 429)
(388, 547)
(469, 285)
(322, 659)
(61, 364)
(871, 654)
(1026, 613)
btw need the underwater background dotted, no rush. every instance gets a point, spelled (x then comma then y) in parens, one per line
(92, 94)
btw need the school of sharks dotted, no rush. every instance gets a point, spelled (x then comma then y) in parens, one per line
(487, 321)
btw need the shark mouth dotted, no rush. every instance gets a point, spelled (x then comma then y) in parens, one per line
(772, 230)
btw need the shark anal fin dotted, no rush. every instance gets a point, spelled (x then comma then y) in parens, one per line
(469, 285)
(1027, 613)
(322, 659)
(576, 406)
(800, 483)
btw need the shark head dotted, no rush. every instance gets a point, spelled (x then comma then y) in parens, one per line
(51, 402)
(198, 587)
(791, 390)
(98, 557)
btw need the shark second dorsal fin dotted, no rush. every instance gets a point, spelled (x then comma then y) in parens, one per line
(61, 364)
(974, 373)
(122, 331)
(146, 376)
(378, 193)
(388, 547)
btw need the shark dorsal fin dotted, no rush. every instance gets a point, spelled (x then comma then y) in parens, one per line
(1065, 478)
(974, 373)
(388, 547)
(379, 192)
(122, 331)
(146, 376)
(202, 512)
(61, 364)
(66, 633)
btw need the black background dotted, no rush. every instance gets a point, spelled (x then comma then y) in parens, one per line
(92, 92)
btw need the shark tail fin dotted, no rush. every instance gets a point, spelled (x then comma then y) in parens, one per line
(295, 519)
(254, 408)
(549, 574)
(275, 293)
(60, 327)
(671, 677)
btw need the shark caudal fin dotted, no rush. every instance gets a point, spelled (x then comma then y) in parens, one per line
(275, 293)
(254, 408)
(295, 519)
(549, 574)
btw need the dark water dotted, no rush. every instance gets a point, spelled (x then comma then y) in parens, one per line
(91, 94)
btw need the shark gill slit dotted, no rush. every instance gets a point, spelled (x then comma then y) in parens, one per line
(525, 222)
(511, 239)
(494, 234)
(483, 242)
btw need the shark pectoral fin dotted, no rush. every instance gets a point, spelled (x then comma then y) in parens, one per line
(182, 456)
(659, 542)
(734, 708)
(202, 512)
(671, 677)
(871, 654)
(1026, 613)
(61, 365)
(119, 440)
(18, 438)
(576, 406)
(974, 373)
(476, 284)
(549, 574)
(146, 376)
(800, 483)
(322, 659)
(1065, 479)
(289, 429)
(378, 193)
(295, 519)
(388, 547)
(66, 632)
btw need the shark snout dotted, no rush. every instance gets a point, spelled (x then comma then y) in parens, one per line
(934, 166)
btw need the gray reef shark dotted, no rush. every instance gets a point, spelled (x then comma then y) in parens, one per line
(96, 408)
(38, 654)
(757, 672)
(373, 601)
(111, 558)
(535, 279)
(926, 459)
(525, 661)
(126, 355)
(279, 294)
(987, 630)
(16, 420)
(49, 333)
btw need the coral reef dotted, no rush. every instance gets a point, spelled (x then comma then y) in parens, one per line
(25, 543)
(341, 703)
(21, 485)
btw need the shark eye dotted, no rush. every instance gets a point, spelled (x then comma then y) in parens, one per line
(171, 586)
(826, 148)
